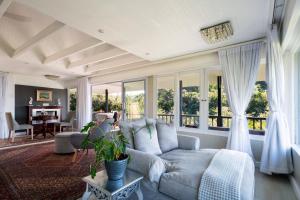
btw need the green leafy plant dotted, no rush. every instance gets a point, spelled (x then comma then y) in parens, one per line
(108, 147)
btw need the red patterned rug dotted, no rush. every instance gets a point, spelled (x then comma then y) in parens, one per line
(36, 173)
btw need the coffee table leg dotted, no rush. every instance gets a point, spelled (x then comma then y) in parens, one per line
(139, 193)
(87, 193)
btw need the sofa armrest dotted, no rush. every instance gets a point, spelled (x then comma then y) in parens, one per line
(151, 166)
(188, 142)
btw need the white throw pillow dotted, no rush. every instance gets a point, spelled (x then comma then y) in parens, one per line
(167, 136)
(145, 139)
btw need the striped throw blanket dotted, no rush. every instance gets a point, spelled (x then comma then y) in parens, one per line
(223, 177)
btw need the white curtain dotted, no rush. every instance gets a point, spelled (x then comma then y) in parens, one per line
(3, 100)
(276, 156)
(240, 66)
(84, 102)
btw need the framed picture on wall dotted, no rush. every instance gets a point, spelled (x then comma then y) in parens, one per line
(44, 95)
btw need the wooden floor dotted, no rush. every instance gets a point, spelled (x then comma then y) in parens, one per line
(273, 187)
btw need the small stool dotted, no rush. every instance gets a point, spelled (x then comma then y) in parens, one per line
(63, 143)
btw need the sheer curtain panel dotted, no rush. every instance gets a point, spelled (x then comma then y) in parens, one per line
(84, 102)
(240, 66)
(276, 156)
(3, 102)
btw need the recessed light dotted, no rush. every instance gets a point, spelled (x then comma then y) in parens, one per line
(147, 54)
(101, 30)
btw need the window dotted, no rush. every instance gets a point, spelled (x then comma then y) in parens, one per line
(165, 98)
(189, 99)
(72, 99)
(134, 97)
(107, 98)
(219, 114)
(258, 108)
(198, 100)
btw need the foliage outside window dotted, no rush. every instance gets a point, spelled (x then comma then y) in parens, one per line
(165, 98)
(72, 99)
(99, 104)
(189, 86)
(256, 112)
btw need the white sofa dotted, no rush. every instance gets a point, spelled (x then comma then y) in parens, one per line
(176, 174)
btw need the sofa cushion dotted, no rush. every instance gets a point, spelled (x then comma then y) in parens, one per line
(183, 172)
(126, 128)
(167, 136)
(145, 139)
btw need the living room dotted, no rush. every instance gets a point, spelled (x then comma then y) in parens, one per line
(149, 99)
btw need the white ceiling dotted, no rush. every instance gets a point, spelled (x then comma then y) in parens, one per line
(162, 28)
(133, 31)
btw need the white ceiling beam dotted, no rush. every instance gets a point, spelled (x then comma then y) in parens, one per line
(123, 68)
(112, 63)
(4, 6)
(108, 54)
(79, 47)
(38, 37)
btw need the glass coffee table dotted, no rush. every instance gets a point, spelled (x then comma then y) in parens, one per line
(102, 188)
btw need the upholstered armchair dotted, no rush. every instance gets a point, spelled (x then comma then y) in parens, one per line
(14, 126)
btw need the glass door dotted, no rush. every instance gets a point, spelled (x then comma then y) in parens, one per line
(134, 100)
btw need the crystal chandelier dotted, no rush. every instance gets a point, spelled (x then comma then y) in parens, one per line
(217, 33)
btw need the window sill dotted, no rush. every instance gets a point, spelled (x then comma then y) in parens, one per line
(296, 148)
(217, 133)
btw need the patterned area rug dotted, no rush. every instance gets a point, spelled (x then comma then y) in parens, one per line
(36, 172)
(25, 140)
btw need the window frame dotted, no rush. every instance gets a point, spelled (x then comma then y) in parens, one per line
(204, 104)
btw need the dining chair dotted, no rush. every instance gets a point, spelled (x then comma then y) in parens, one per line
(14, 126)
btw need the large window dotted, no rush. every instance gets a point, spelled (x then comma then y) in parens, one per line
(189, 99)
(107, 98)
(165, 98)
(197, 99)
(219, 112)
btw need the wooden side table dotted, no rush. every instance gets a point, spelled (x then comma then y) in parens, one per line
(105, 189)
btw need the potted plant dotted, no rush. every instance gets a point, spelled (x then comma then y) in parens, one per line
(109, 147)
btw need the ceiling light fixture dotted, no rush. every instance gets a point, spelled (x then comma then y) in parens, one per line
(217, 33)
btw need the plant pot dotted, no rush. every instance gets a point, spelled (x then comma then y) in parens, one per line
(115, 169)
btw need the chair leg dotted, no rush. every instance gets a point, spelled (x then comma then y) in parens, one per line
(74, 156)
(31, 133)
(13, 136)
